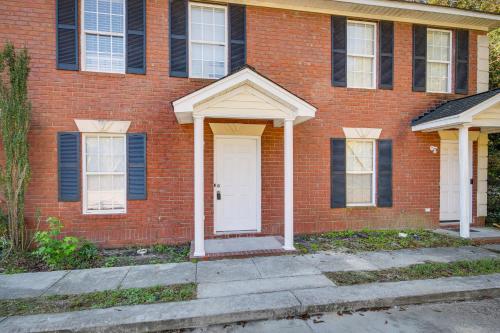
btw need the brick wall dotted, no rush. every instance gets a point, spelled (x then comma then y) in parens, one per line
(291, 48)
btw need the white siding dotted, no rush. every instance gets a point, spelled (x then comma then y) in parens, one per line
(482, 174)
(482, 63)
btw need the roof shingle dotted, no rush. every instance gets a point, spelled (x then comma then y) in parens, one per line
(454, 107)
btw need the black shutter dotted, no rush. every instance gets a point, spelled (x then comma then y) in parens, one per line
(178, 38)
(384, 191)
(67, 34)
(237, 33)
(136, 166)
(339, 51)
(462, 62)
(136, 36)
(337, 173)
(68, 165)
(386, 55)
(419, 57)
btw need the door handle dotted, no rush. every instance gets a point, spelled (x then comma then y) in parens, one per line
(219, 196)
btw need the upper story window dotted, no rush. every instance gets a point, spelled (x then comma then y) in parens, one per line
(104, 181)
(103, 38)
(360, 174)
(438, 60)
(207, 41)
(361, 49)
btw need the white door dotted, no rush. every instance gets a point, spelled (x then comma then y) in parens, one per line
(237, 184)
(449, 185)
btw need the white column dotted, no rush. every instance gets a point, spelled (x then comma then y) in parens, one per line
(199, 211)
(289, 185)
(464, 181)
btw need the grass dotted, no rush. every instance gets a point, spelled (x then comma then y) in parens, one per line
(375, 240)
(418, 272)
(98, 300)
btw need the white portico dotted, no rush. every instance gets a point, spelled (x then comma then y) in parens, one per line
(459, 123)
(243, 95)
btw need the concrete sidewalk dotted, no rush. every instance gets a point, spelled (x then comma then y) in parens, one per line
(272, 305)
(225, 278)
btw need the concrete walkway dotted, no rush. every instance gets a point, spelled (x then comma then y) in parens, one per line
(251, 307)
(227, 278)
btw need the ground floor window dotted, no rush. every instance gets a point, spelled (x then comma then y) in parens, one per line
(104, 174)
(360, 174)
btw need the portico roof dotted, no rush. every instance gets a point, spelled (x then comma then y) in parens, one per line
(480, 110)
(245, 94)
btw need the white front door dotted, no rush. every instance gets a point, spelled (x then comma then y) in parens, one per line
(237, 184)
(449, 185)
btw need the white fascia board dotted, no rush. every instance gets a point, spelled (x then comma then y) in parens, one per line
(423, 8)
(438, 124)
(391, 10)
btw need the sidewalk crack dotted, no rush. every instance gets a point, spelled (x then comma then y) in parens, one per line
(123, 278)
(257, 268)
(53, 284)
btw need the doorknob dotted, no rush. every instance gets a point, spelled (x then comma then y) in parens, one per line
(219, 196)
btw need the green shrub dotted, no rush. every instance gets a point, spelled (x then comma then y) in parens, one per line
(64, 253)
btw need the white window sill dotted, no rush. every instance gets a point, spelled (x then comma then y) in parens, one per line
(354, 87)
(102, 72)
(105, 212)
(360, 205)
(438, 92)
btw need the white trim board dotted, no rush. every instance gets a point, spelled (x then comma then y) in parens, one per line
(102, 126)
(400, 11)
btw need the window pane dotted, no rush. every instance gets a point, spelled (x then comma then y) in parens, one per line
(359, 189)
(103, 51)
(360, 39)
(117, 45)
(359, 156)
(90, 5)
(90, 21)
(117, 7)
(208, 29)
(438, 45)
(106, 186)
(196, 31)
(196, 14)
(360, 51)
(104, 24)
(360, 72)
(437, 77)
(104, 6)
(117, 23)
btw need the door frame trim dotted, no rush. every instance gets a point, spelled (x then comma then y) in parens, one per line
(258, 190)
(471, 172)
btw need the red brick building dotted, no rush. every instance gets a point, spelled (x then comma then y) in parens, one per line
(315, 136)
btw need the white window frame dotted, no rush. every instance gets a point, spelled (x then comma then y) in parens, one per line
(373, 173)
(375, 49)
(84, 32)
(450, 62)
(84, 174)
(191, 41)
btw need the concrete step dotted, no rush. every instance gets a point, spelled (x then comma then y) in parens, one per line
(273, 305)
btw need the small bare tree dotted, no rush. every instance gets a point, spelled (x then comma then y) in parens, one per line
(15, 110)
